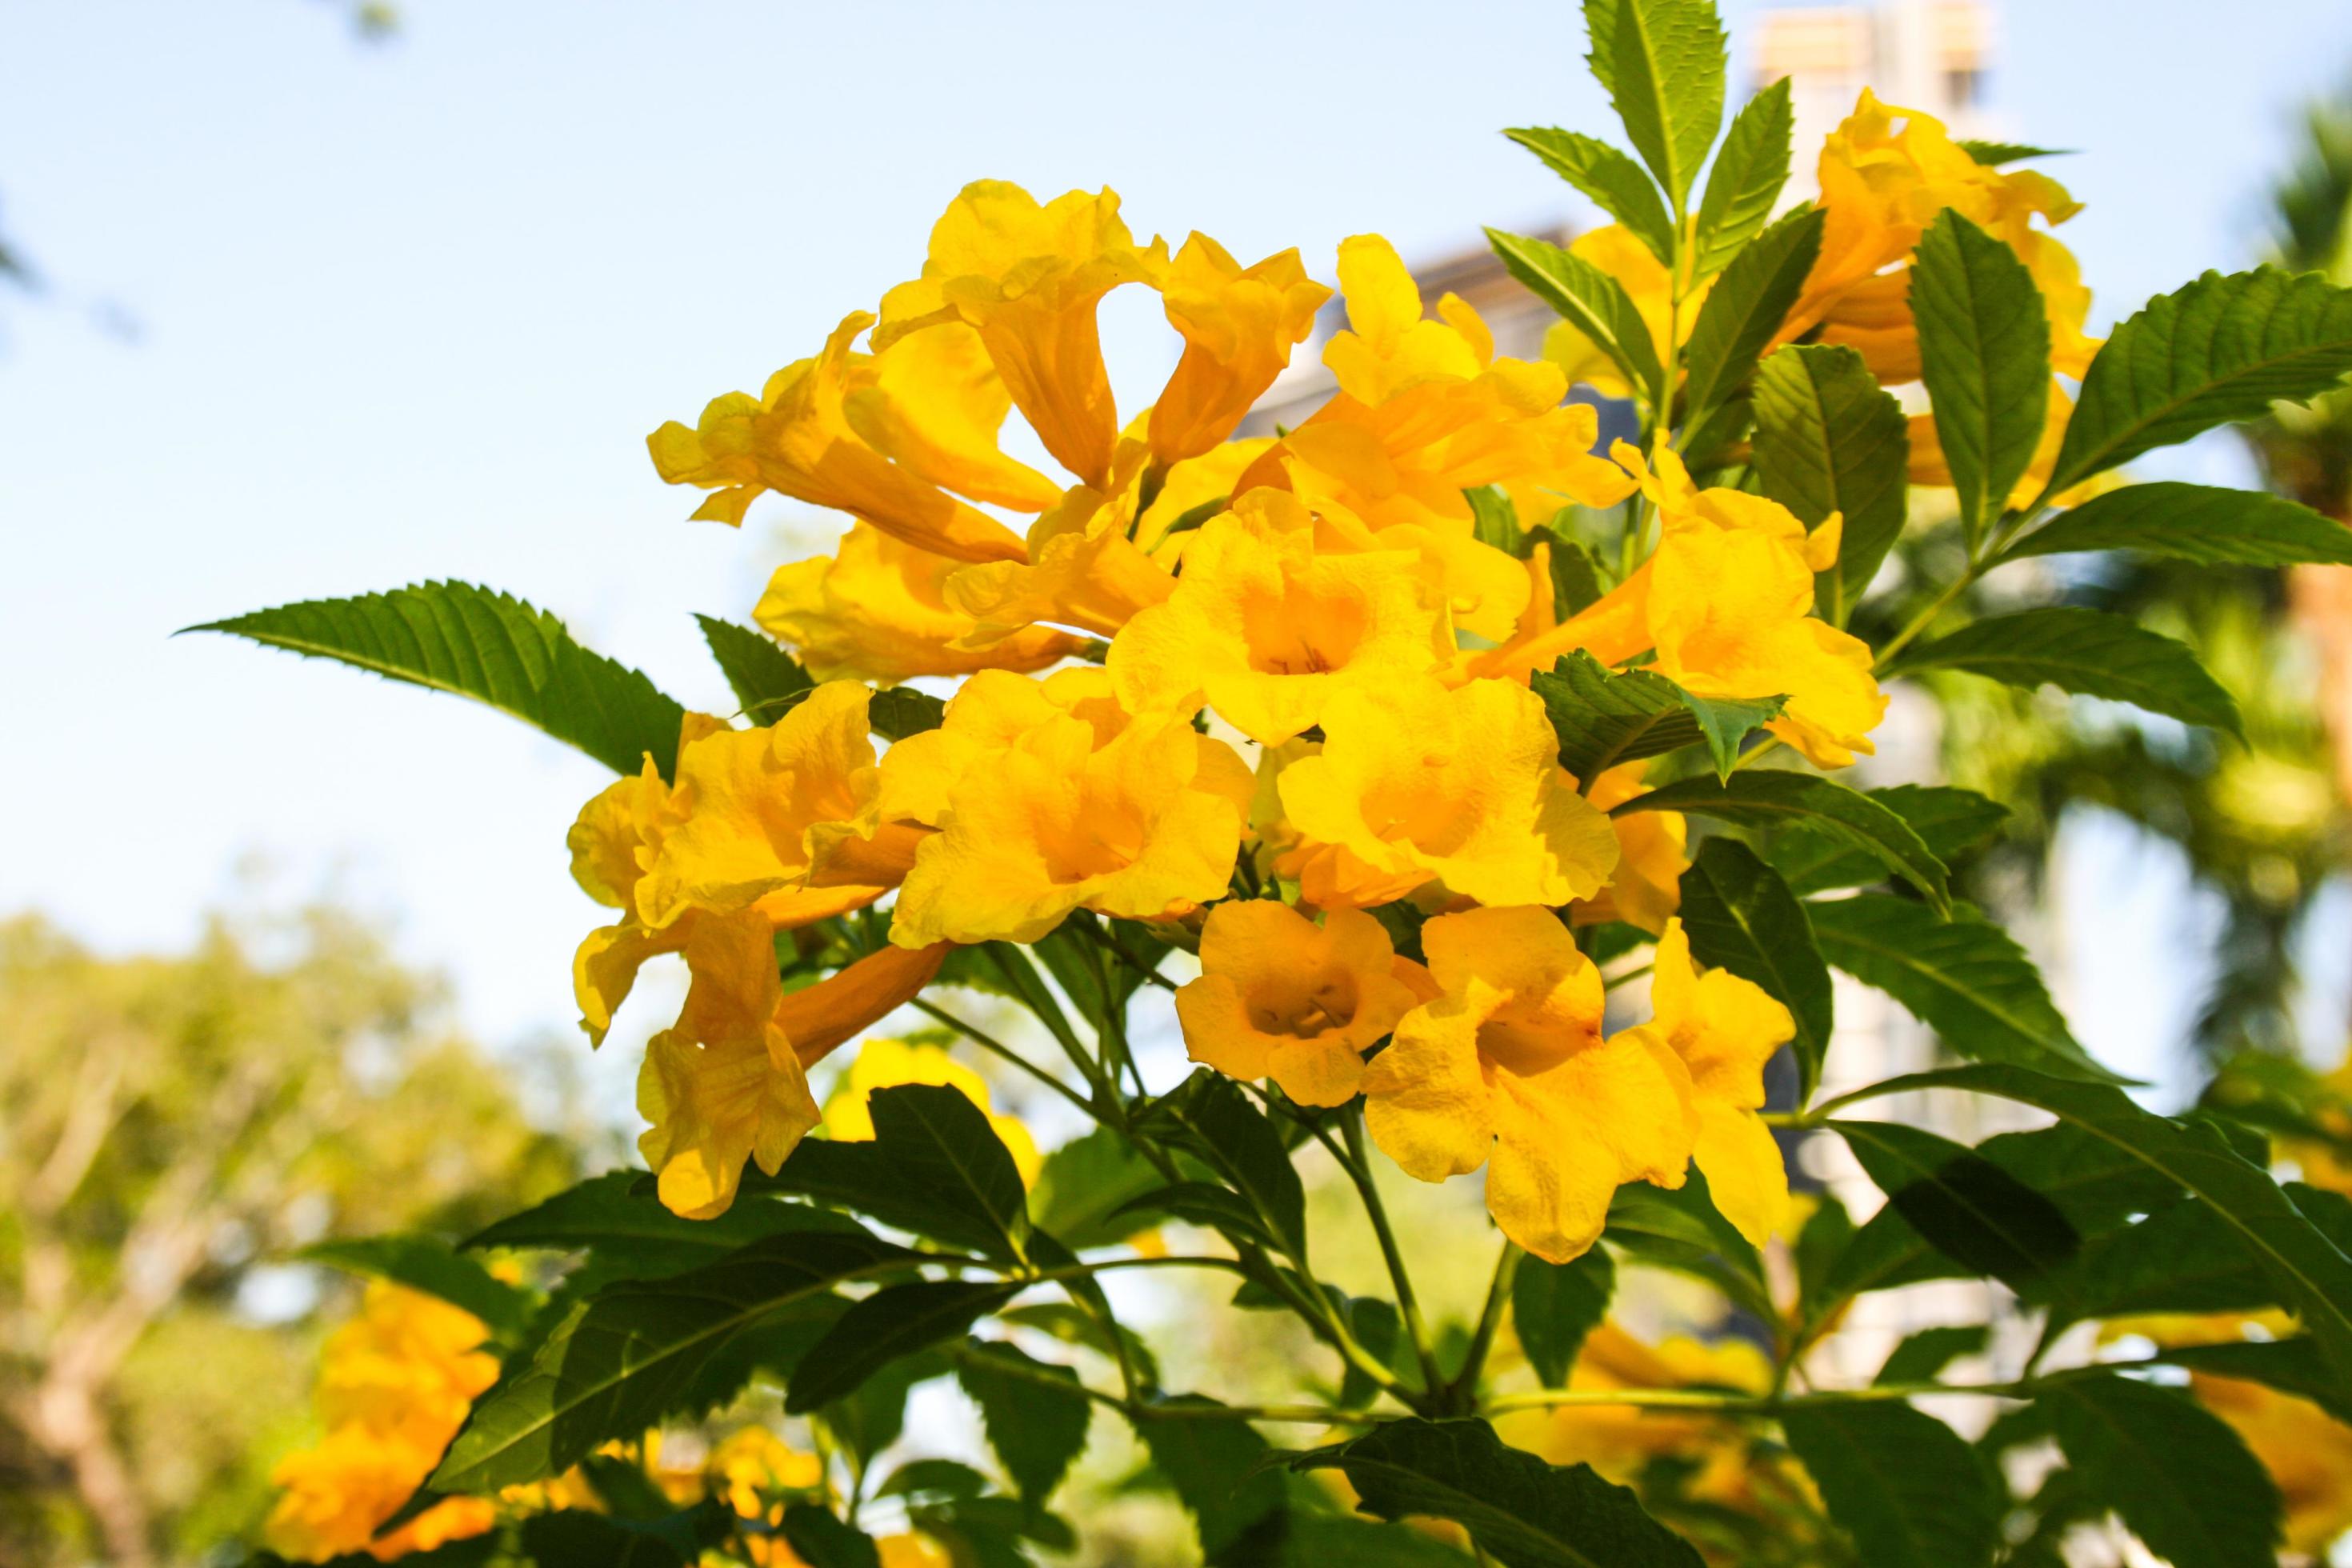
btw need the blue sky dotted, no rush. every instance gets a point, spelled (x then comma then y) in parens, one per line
(408, 312)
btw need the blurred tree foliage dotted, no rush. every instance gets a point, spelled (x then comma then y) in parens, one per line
(177, 1125)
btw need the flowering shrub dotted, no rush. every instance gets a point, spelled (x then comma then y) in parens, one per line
(1376, 742)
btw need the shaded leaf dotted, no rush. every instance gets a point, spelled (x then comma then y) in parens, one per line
(1950, 822)
(2209, 525)
(897, 1320)
(1037, 1428)
(1213, 1467)
(1740, 916)
(1922, 1356)
(1774, 797)
(1555, 1305)
(1082, 1184)
(1966, 1207)
(1829, 439)
(2178, 1475)
(1212, 1121)
(822, 1541)
(632, 1236)
(1904, 1485)
(2087, 652)
(2293, 1366)
(1746, 307)
(421, 1263)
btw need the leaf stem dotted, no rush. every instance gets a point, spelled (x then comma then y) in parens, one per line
(998, 1048)
(1461, 1392)
(1360, 1170)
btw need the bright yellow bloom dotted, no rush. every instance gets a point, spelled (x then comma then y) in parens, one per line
(877, 610)
(1192, 483)
(1507, 1068)
(935, 404)
(1421, 784)
(1028, 279)
(1266, 628)
(1083, 569)
(1281, 997)
(1723, 1029)
(1239, 325)
(992, 713)
(1615, 251)
(796, 438)
(884, 1064)
(1647, 887)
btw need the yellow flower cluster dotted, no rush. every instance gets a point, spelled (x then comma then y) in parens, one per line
(1204, 669)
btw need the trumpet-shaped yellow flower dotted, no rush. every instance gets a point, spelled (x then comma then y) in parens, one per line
(1507, 1068)
(795, 439)
(1083, 570)
(1266, 628)
(1646, 888)
(1421, 784)
(1191, 485)
(1723, 1029)
(886, 1063)
(877, 610)
(1281, 997)
(1615, 251)
(933, 402)
(1028, 279)
(1239, 325)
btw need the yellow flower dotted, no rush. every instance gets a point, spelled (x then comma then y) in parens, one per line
(1620, 1441)
(1082, 571)
(1615, 251)
(1281, 997)
(1421, 783)
(877, 610)
(1507, 1068)
(884, 1064)
(1647, 887)
(935, 403)
(752, 1462)
(1028, 279)
(795, 439)
(1213, 476)
(1723, 1029)
(908, 1550)
(1239, 325)
(1266, 628)
(2308, 1452)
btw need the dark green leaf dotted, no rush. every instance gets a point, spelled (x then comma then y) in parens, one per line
(766, 681)
(1662, 62)
(1904, 1485)
(1681, 1228)
(1575, 580)
(873, 1417)
(897, 1320)
(2293, 1366)
(1992, 154)
(1595, 303)
(1923, 1355)
(1084, 1182)
(1746, 307)
(1309, 1541)
(1747, 178)
(1966, 1207)
(1827, 1234)
(1829, 439)
(822, 1541)
(491, 647)
(1213, 1467)
(1740, 916)
(902, 711)
(630, 1235)
(1984, 348)
(576, 1538)
(1604, 718)
(2181, 1478)
(1524, 1512)
(1212, 1119)
(934, 1167)
(2206, 524)
(933, 1477)
(424, 1264)
(2089, 651)
(1074, 1326)
(1378, 1327)
(1494, 518)
(1035, 1414)
(1004, 969)
(1555, 1305)
(1950, 822)
(1775, 797)
(1614, 183)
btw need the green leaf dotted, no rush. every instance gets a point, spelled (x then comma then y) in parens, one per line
(2208, 525)
(1963, 978)
(2184, 1257)
(492, 647)
(2088, 652)
(634, 1354)
(1775, 797)
(1209, 1118)
(1575, 579)
(1037, 1427)
(1214, 1466)
(631, 1235)
(2221, 349)
(1494, 518)
(1084, 1182)
(1829, 439)
(577, 1538)
(1922, 1356)
(1823, 1239)
(822, 1541)
(1555, 1305)
(2179, 1478)
(1604, 718)
(1681, 1228)
(933, 1477)
(421, 1263)
(1074, 1326)
(1524, 1512)
(1984, 348)
(873, 1417)
(1662, 62)
(1004, 969)
(2293, 1366)
(1746, 307)
(902, 711)
(1747, 178)
(1904, 1485)
(1950, 822)
(1613, 182)
(2315, 1277)
(1993, 154)
(766, 681)
(1968, 1208)
(1740, 916)
(1309, 1541)
(1595, 303)
(897, 1320)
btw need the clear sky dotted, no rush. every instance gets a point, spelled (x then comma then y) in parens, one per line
(409, 311)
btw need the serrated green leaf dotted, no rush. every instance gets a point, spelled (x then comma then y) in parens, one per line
(1522, 1511)
(1984, 350)
(2207, 524)
(767, 680)
(2220, 349)
(1740, 916)
(1575, 578)
(1965, 1205)
(1748, 172)
(1681, 1228)
(2178, 1475)
(1213, 1465)
(1903, 1484)
(1746, 307)
(896, 1321)
(1614, 183)
(1993, 154)
(1209, 1117)
(1037, 1428)
(1605, 717)
(1962, 977)
(1922, 1356)
(1662, 62)
(2183, 1257)
(1950, 822)
(1773, 797)
(1074, 1326)
(1555, 1305)
(1829, 439)
(421, 1263)
(1588, 298)
(492, 647)
(2087, 652)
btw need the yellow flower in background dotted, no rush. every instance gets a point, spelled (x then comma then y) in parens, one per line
(1281, 997)
(1083, 570)
(1647, 887)
(1028, 278)
(1421, 783)
(1239, 325)
(1507, 1068)
(795, 439)
(1620, 1441)
(1615, 251)
(1723, 1029)
(2308, 1452)
(884, 1064)
(877, 610)
(1265, 628)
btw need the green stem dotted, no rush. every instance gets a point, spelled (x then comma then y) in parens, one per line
(1461, 1393)
(1360, 1170)
(998, 1047)
(1315, 1415)
(1718, 1403)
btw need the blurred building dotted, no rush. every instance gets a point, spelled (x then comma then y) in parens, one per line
(1934, 56)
